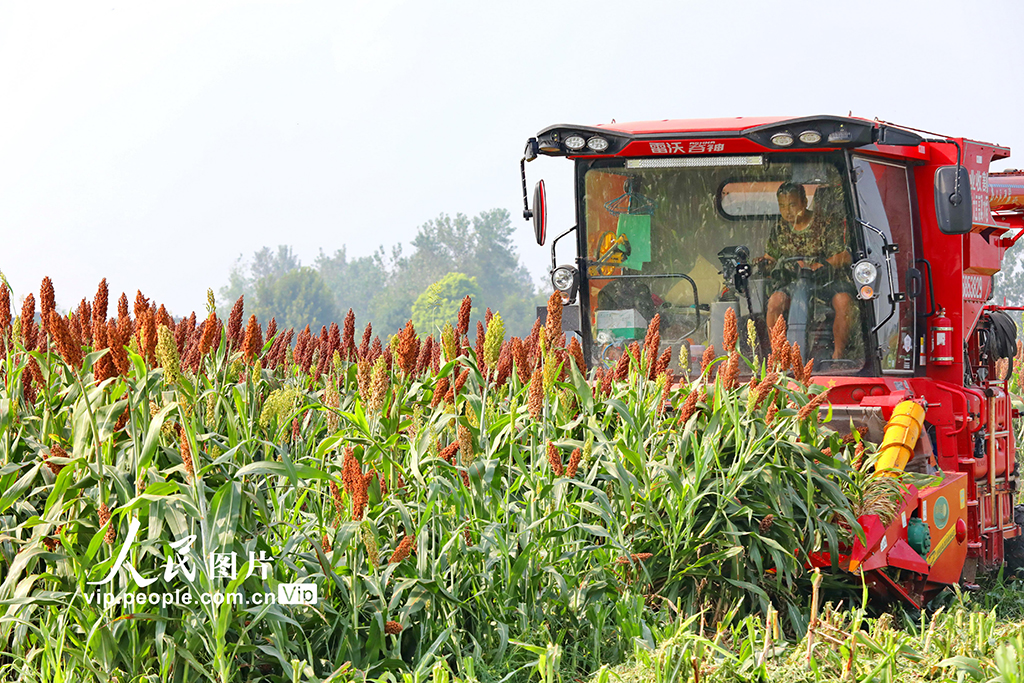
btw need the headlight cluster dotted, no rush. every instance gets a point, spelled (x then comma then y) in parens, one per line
(566, 280)
(575, 142)
(865, 274)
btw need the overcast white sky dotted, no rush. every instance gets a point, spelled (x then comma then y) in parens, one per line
(153, 143)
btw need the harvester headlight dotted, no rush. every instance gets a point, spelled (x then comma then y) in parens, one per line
(782, 139)
(564, 278)
(597, 144)
(575, 142)
(865, 273)
(810, 137)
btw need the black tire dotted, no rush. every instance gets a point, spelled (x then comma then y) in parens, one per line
(1013, 548)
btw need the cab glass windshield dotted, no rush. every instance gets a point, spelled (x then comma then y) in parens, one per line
(690, 237)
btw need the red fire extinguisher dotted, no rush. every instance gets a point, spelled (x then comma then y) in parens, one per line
(942, 339)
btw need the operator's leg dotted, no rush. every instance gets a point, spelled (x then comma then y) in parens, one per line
(843, 305)
(778, 304)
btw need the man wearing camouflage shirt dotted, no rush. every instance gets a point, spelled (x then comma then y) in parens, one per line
(803, 233)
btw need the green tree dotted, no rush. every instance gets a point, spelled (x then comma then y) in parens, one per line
(275, 285)
(354, 282)
(296, 299)
(440, 302)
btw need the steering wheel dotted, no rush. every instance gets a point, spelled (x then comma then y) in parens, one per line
(791, 265)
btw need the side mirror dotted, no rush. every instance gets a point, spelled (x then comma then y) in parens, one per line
(953, 200)
(540, 213)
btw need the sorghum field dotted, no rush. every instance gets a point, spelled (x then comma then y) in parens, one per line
(468, 507)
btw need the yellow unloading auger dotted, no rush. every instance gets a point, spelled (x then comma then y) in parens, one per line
(898, 442)
(901, 434)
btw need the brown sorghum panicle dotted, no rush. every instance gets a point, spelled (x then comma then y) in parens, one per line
(235, 323)
(555, 459)
(440, 389)
(689, 406)
(812, 406)
(85, 321)
(574, 463)
(376, 350)
(103, 368)
(423, 358)
(770, 415)
(300, 345)
(361, 497)
(634, 351)
(465, 445)
(766, 523)
(403, 550)
(487, 316)
(117, 352)
(141, 304)
(435, 358)
(661, 367)
(705, 360)
(408, 349)
(732, 371)
(622, 366)
(324, 351)
(148, 335)
(122, 307)
(75, 328)
(392, 628)
(448, 452)
(110, 534)
(252, 343)
(576, 353)
(481, 337)
(553, 324)
(765, 388)
(46, 304)
(730, 333)
(122, 421)
(796, 363)
(364, 345)
(460, 381)
(99, 304)
(5, 309)
(518, 351)
(464, 312)
(28, 322)
(69, 350)
(336, 496)
(180, 336)
(208, 338)
(55, 452)
(348, 337)
(351, 472)
(652, 340)
(325, 545)
(186, 453)
(271, 328)
(504, 369)
(535, 398)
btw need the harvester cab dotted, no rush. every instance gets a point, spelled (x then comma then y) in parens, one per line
(877, 245)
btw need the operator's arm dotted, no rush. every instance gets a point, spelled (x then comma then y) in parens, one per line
(835, 244)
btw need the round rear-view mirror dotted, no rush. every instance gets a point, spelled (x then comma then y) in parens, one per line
(540, 213)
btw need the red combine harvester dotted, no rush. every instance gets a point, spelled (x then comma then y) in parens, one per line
(878, 245)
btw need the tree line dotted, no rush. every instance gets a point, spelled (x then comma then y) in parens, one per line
(450, 258)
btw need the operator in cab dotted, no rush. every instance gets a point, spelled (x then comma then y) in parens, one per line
(803, 239)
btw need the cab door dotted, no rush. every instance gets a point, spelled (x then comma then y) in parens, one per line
(883, 199)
